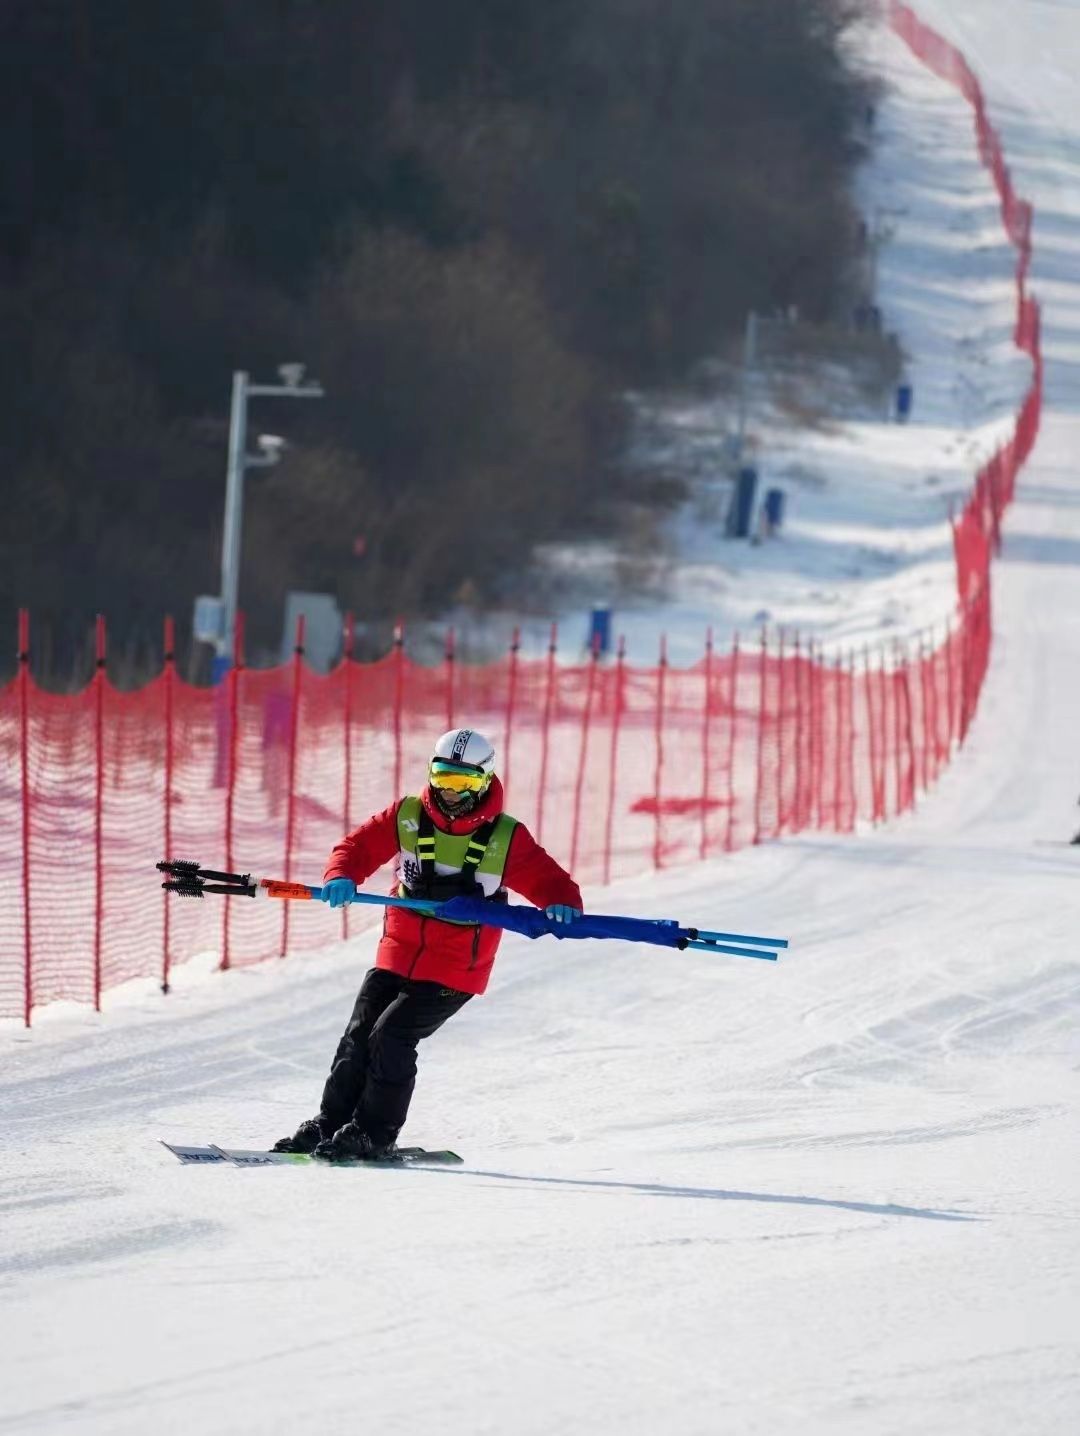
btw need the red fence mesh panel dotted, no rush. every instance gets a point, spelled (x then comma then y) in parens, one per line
(61, 820)
(132, 825)
(683, 791)
(717, 734)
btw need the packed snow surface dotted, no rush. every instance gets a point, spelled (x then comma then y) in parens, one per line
(834, 1194)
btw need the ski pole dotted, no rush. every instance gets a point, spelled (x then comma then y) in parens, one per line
(188, 879)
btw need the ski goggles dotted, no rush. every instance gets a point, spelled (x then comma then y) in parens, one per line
(457, 778)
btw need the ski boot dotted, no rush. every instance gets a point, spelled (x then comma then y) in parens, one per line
(352, 1144)
(306, 1137)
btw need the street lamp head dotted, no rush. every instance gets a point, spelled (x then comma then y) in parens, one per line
(292, 375)
(272, 445)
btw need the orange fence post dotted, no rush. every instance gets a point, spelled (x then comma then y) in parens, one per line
(233, 680)
(661, 674)
(511, 696)
(168, 678)
(616, 719)
(703, 847)
(586, 720)
(346, 825)
(545, 730)
(760, 739)
(290, 808)
(99, 795)
(399, 700)
(733, 718)
(24, 786)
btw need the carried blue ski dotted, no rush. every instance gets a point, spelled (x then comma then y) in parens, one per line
(188, 879)
(242, 1157)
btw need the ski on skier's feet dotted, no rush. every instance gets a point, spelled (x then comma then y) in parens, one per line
(203, 1156)
(241, 1157)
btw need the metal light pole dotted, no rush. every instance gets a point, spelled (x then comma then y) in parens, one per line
(238, 463)
(750, 345)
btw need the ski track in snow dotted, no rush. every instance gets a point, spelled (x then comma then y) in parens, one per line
(834, 1195)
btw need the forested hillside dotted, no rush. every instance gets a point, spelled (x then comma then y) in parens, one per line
(476, 221)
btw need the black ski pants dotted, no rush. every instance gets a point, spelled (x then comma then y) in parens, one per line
(374, 1069)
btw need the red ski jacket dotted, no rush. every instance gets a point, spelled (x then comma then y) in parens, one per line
(423, 947)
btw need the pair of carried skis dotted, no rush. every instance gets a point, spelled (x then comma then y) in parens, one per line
(188, 879)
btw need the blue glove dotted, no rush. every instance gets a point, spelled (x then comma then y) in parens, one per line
(562, 912)
(338, 891)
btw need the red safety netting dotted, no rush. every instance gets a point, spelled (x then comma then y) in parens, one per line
(977, 530)
(616, 769)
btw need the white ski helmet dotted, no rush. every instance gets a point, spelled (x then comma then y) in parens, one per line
(466, 747)
(460, 772)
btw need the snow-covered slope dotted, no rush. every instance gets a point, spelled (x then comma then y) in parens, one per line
(701, 1196)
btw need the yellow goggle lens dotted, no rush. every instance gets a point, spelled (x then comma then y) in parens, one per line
(457, 780)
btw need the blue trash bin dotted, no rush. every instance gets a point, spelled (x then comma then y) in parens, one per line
(774, 509)
(904, 397)
(600, 630)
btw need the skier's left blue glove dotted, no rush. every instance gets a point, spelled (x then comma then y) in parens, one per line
(562, 912)
(338, 891)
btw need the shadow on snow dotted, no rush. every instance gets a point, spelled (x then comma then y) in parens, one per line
(718, 1194)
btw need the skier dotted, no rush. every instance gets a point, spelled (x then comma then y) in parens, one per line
(453, 839)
